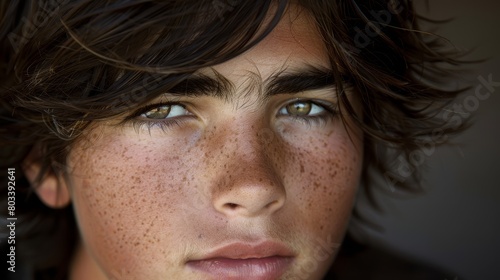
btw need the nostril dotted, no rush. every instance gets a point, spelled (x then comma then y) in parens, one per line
(250, 200)
(232, 206)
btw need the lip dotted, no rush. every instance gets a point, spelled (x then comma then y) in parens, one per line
(237, 261)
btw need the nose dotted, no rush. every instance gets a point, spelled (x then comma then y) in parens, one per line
(249, 195)
(249, 185)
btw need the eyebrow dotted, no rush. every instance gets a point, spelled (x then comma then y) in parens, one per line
(283, 82)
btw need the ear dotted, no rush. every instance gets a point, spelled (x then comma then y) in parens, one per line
(51, 190)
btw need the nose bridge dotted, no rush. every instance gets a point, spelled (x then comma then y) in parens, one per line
(251, 144)
(247, 181)
(246, 140)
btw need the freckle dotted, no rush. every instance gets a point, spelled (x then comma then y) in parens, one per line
(301, 168)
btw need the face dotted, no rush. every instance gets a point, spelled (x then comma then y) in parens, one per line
(258, 184)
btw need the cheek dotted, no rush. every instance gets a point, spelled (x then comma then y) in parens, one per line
(126, 197)
(324, 170)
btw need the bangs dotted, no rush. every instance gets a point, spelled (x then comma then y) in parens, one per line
(94, 60)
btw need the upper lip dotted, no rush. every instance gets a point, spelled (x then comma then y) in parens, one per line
(243, 250)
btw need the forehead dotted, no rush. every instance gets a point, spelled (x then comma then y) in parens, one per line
(293, 43)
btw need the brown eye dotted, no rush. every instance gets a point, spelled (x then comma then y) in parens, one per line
(299, 108)
(302, 109)
(157, 113)
(165, 112)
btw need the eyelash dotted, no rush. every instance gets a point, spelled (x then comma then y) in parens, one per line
(165, 124)
(314, 120)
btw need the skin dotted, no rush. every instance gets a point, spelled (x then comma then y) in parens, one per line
(148, 199)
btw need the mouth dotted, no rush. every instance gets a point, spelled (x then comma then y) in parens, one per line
(237, 261)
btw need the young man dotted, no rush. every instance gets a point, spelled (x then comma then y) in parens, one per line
(206, 139)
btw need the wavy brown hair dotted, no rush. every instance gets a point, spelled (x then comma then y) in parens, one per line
(67, 63)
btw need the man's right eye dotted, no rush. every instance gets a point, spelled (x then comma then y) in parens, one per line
(160, 115)
(165, 111)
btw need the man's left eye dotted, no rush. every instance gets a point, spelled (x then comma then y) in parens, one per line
(302, 109)
(165, 112)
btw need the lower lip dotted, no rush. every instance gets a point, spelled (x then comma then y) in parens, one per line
(268, 268)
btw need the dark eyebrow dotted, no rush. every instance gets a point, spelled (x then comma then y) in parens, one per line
(303, 80)
(310, 78)
(200, 85)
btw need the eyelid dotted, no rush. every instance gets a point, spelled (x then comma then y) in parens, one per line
(328, 106)
(142, 110)
(139, 122)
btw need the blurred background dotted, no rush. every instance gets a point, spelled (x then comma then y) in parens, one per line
(456, 224)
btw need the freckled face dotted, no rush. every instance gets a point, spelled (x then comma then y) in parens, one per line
(150, 197)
